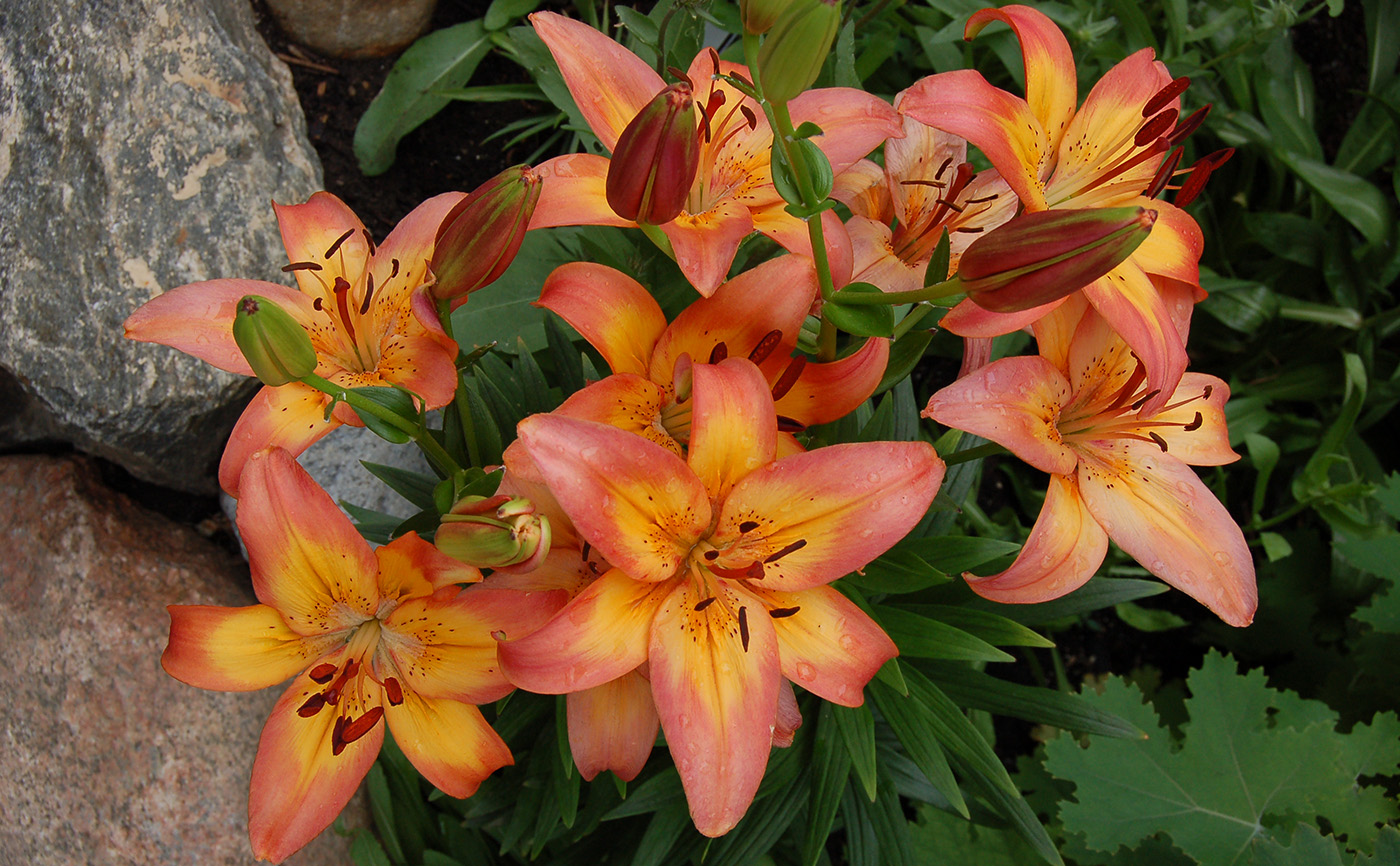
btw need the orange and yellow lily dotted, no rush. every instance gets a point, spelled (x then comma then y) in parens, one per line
(1118, 469)
(370, 635)
(733, 193)
(367, 308)
(757, 314)
(720, 565)
(1105, 154)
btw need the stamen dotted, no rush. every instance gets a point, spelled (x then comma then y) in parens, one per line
(748, 526)
(1165, 95)
(781, 612)
(985, 198)
(749, 116)
(393, 691)
(342, 300)
(338, 241)
(752, 571)
(789, 377)
(1164, 174)
(361, 726)
(1153, 128)
(790, 425)
(744, 627)
(318, 305)
(1161, 443)
(394, 268)
(711, 555)
(1205, 394)
(704, 603)
(368, 240)
(1195, 424)
(942, 168)
(766, 346)
(719, 353)
(322, 673)
(1200, 173)
(369, 293)
(313, 705)
(791, 548)
(971, 230)
(337, 736)
(300, 266)
(1141, 401)
(333, 693)
(1189, 125)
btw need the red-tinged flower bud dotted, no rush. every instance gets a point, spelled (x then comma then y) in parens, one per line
(760, 15)
(1041, 257)
(478, 239)
(500, 532)
(656, 158)
(793, 53)
(273, 343)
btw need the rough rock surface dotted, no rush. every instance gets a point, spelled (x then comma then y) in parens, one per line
(140, 144)
(107, 759)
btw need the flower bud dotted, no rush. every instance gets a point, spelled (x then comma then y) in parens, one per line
(478, 239)
(656, 158)
(500, 532)
(273, 343)
(1041, 257)
(793, 53)
(759, 15)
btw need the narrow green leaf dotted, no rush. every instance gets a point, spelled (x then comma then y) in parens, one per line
(393, 399)
(920, 637)
(443, 59)
(651, 795)
(957, 734)
(381, 807)
(534, 390)
(981, 691)
(413, 486)
(1098, 593)
(1264, 454)
(1357, 201)
(669, 823)
(891, 827)
(760, 829)
(503, 13)
(857, 728)
(905, 354)
(374, 526)
(568, 364)
(365, 850)
(990, 627)
(910, 720)
(940, 261)
(861, 320)
(484, 425)
(1022, 818)
(831, 765)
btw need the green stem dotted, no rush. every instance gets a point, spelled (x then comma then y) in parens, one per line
(459, 396)
(913, 318)
(987, 449)
(417, 432)
(936, 294)
(1341, 491)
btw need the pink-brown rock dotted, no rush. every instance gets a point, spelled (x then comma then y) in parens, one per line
(107, 760)
(353, 28)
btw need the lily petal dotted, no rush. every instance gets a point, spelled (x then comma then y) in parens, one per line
(310, 232)
(410, 566)
(627, 402)
(613, 727)
(1208, 442)
(705, 243)
(574, 193)
(307, 560)
(290, 417)
(846, 504)
(1052, 90)
(825, 392)
(1133, 307)
(715, 677)
(1066, 546)
(734, 428)
(447, 741)
(789, 716)
(853, 122)
(411, 242)
(596, 638)
(1173, 248)
(969, 320)
(1159, 512)
(639, 504)
(613, 312)
(1014, 402)
(236, 649)
(299, 786)
(826, 644)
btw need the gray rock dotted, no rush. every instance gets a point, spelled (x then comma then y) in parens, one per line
(141, 142)
(353, 28)
(107, 759)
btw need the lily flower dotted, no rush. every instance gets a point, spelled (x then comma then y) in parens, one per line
(1106, 154)
(733, 192)
(720, 569)
(926, 187)
(1118, 470)
(367, 308)
(370, 635)
(757, 315)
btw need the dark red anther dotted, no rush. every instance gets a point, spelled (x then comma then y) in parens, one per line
(338, 241)
(790, 425)
(337, 736)
(333, 693)
(342, 301)
(744, 627)
(1200, 173)
(393, 691)
(781, 612)
(369, 293)
(719, 353)
(1195, 424)
(749, 116)
(300, 266)
(1165, 95)
(789, 378)
(393, 268)
(1164, 174)
(1188, 126)
(1161, 443)
(711, 555)
(704, 603)
(943, 166)
(766, 346)
(322, 673)
(748, 526)
(369, 241)
(1153, 129)
(790, 548)
(318, 304)
(752, 571)
(313, 705)
(1205, 394)
(361, 726)
(1141, 401)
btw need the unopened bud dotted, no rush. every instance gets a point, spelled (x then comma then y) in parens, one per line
(273, 343)
(656, 158)
(793, 53)
(500, 532)
(759, 15)
(478, 239)
(1041, 257)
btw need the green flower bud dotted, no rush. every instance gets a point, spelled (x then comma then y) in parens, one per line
(273, 343)
(478, 239)
(656, 158)
(759, 15)
(1041, 257)
(793, 53)
(499, 532)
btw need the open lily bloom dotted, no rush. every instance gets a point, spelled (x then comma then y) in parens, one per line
(1106, 154)
(925, 187)
(733, 192)
(720, 565)
(757, 314)
(370, 635)
(367, 309)
(1118, 470)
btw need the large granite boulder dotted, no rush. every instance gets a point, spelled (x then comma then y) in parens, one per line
(107, 759)
(141, 142)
